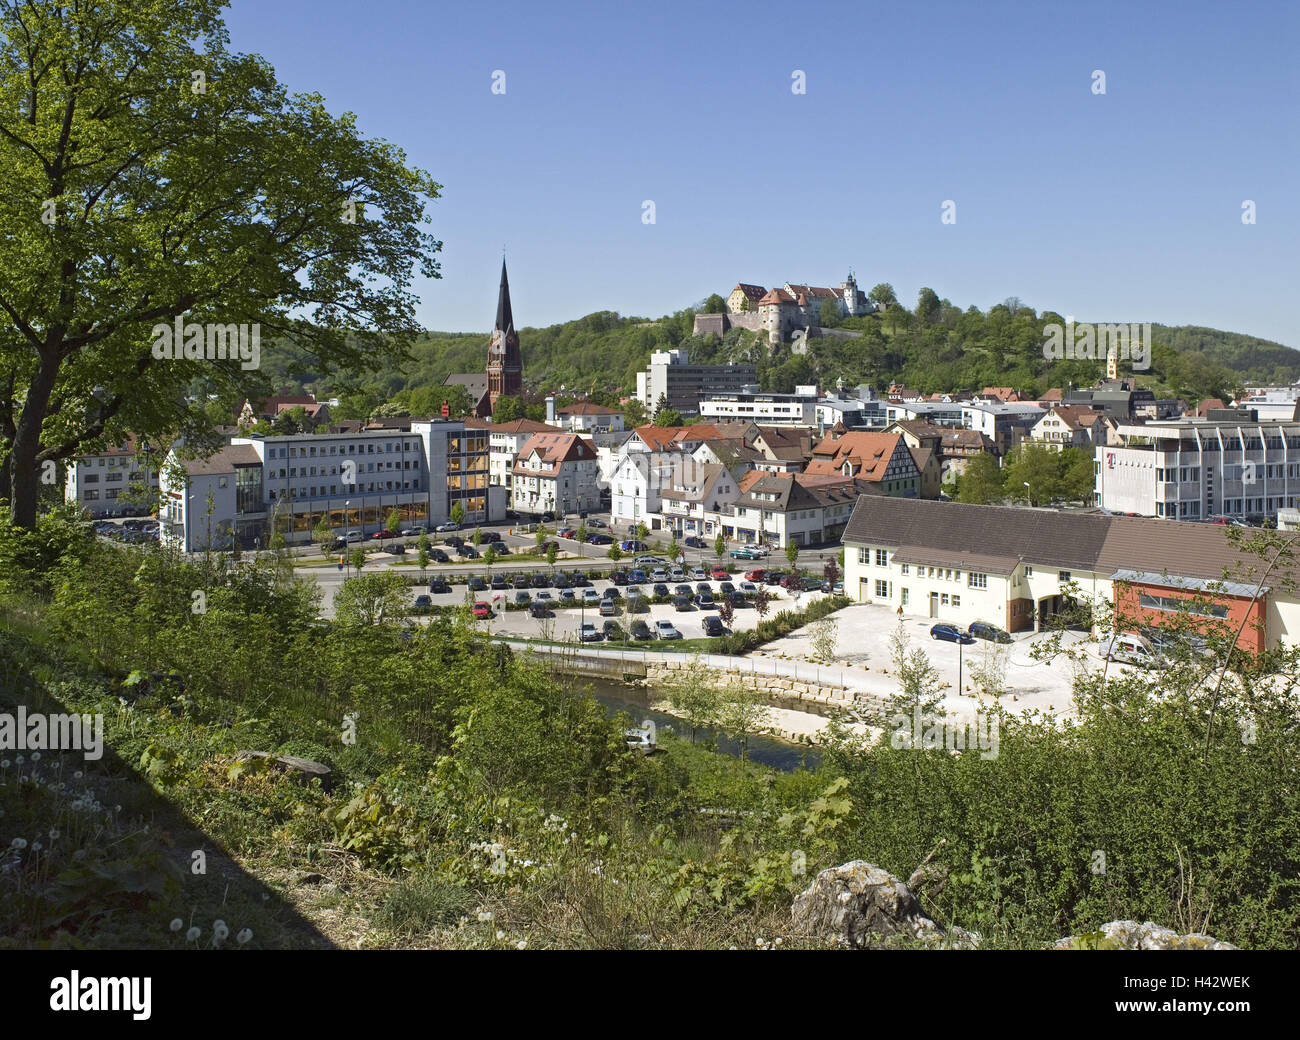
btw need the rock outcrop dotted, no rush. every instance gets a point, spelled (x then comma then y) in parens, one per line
(863, 906)
(1129, 935)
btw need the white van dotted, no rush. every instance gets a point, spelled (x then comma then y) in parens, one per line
(1130, 648)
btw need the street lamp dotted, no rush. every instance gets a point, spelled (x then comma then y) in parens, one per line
(1029, 495)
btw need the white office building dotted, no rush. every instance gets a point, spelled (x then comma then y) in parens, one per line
(770, 409)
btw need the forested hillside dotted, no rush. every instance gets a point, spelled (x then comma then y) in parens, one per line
(931, 347)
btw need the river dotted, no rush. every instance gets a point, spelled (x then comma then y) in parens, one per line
(636, 700)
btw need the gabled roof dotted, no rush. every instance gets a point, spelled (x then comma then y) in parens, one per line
(223, 461)
(868, 453)
(662, 438)
(553, 450)
(1069, 541)
(587, 408)
(776, 296)
(752, 292)
(523, 426)
(1075, 416)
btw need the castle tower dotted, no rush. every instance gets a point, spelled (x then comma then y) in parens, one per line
(505, 365)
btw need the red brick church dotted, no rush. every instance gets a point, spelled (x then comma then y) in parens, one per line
(504, 375)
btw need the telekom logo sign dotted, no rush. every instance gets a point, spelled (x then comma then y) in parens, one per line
(1110, 460)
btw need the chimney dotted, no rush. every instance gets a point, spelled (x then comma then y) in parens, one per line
(550, 411)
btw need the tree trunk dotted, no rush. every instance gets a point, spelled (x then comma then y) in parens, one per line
(24, 480)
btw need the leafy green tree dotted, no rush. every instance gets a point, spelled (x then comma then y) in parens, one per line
(507, 409)
(1037, 466)
(323, 536)
(357, 557)
(394, 522)
(372, 599)
(668, 417)
(828, 314)
(457, 400)
(674, 548)
(720, 547)
(715, 304)
(457, 514)
(792, 552)
(981, 482)
(634, 414)
(742, 712)
(476, 539)
(614, 552)
(490, 555)
(422, 558)
(693, 692)
(883, 295)
(581, 533)
(552, 554)
(132, 132)
(642, 532)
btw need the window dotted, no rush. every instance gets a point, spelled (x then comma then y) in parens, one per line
(1029, 571)
(882, 558)
(956, 601)
(1063, 577)
(943, 600)
(864, 555)
(903, 595)
(882, 589)
(1171, 603)
(977, 581)
(906, 570)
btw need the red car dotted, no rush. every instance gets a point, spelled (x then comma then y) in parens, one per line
(482, 610)
(758, 574)
(720, 573)
(567, 532)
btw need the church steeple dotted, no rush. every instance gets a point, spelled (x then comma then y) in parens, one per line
(505, 320)
(505, 366)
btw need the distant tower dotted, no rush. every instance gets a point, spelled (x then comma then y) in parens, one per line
(1112, 359)
(505, 366)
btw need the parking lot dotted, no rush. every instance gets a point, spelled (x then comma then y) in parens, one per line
(567, 616)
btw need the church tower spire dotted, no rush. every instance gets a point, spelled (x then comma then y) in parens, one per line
(505, 366)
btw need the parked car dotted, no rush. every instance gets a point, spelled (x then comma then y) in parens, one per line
(613, 630)
(666, 630)
(681, 604)
(568, 596)
(950, 633)
(545, 597)
(641, 631)
(719, 573)
(593, 522)
(758, 550)
(381, 533)
(501, 549)
(523, 598)
(705, 601)
(540, 610)
(646, 560)
(353, 536)
(713, 625)
(448, 526)
(983, 630)
(612, 593)
(439, 587)
(677, 574)
(498, 583)
(424, 601)
(599, 539)
(660, 589)
(659, 574)
(395, 549)
(408, 532)
(454, 540)
(467, 551)
(541, 580)
(637, 576)
(438, 556)
(476, 584)
(725, 588)
(702, 589)
(619, 577)
(773, 578)
(756, 575)
(491, 536)
(579, 580)
(745, 554)
(683, 590)
(1130, 648)
(482, 610)
(633, 545)
(589, 633)
(590, 596)
(694, 542)
(521, 581)
(792, 582)
(560, 580)
(567, 532)
(748, 588)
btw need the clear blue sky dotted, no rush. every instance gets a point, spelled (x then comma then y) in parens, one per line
(1123, 207)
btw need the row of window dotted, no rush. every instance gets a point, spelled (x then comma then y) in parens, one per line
(1173, 604)
(368, 467)
(333, 489)
(974, 579)
(293, 451)
(885, 590)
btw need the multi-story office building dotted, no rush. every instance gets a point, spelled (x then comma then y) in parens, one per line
(672, 381)
(354, 480)
(556, 473)
(752, 405)
(120, 481)
(1231, 464)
